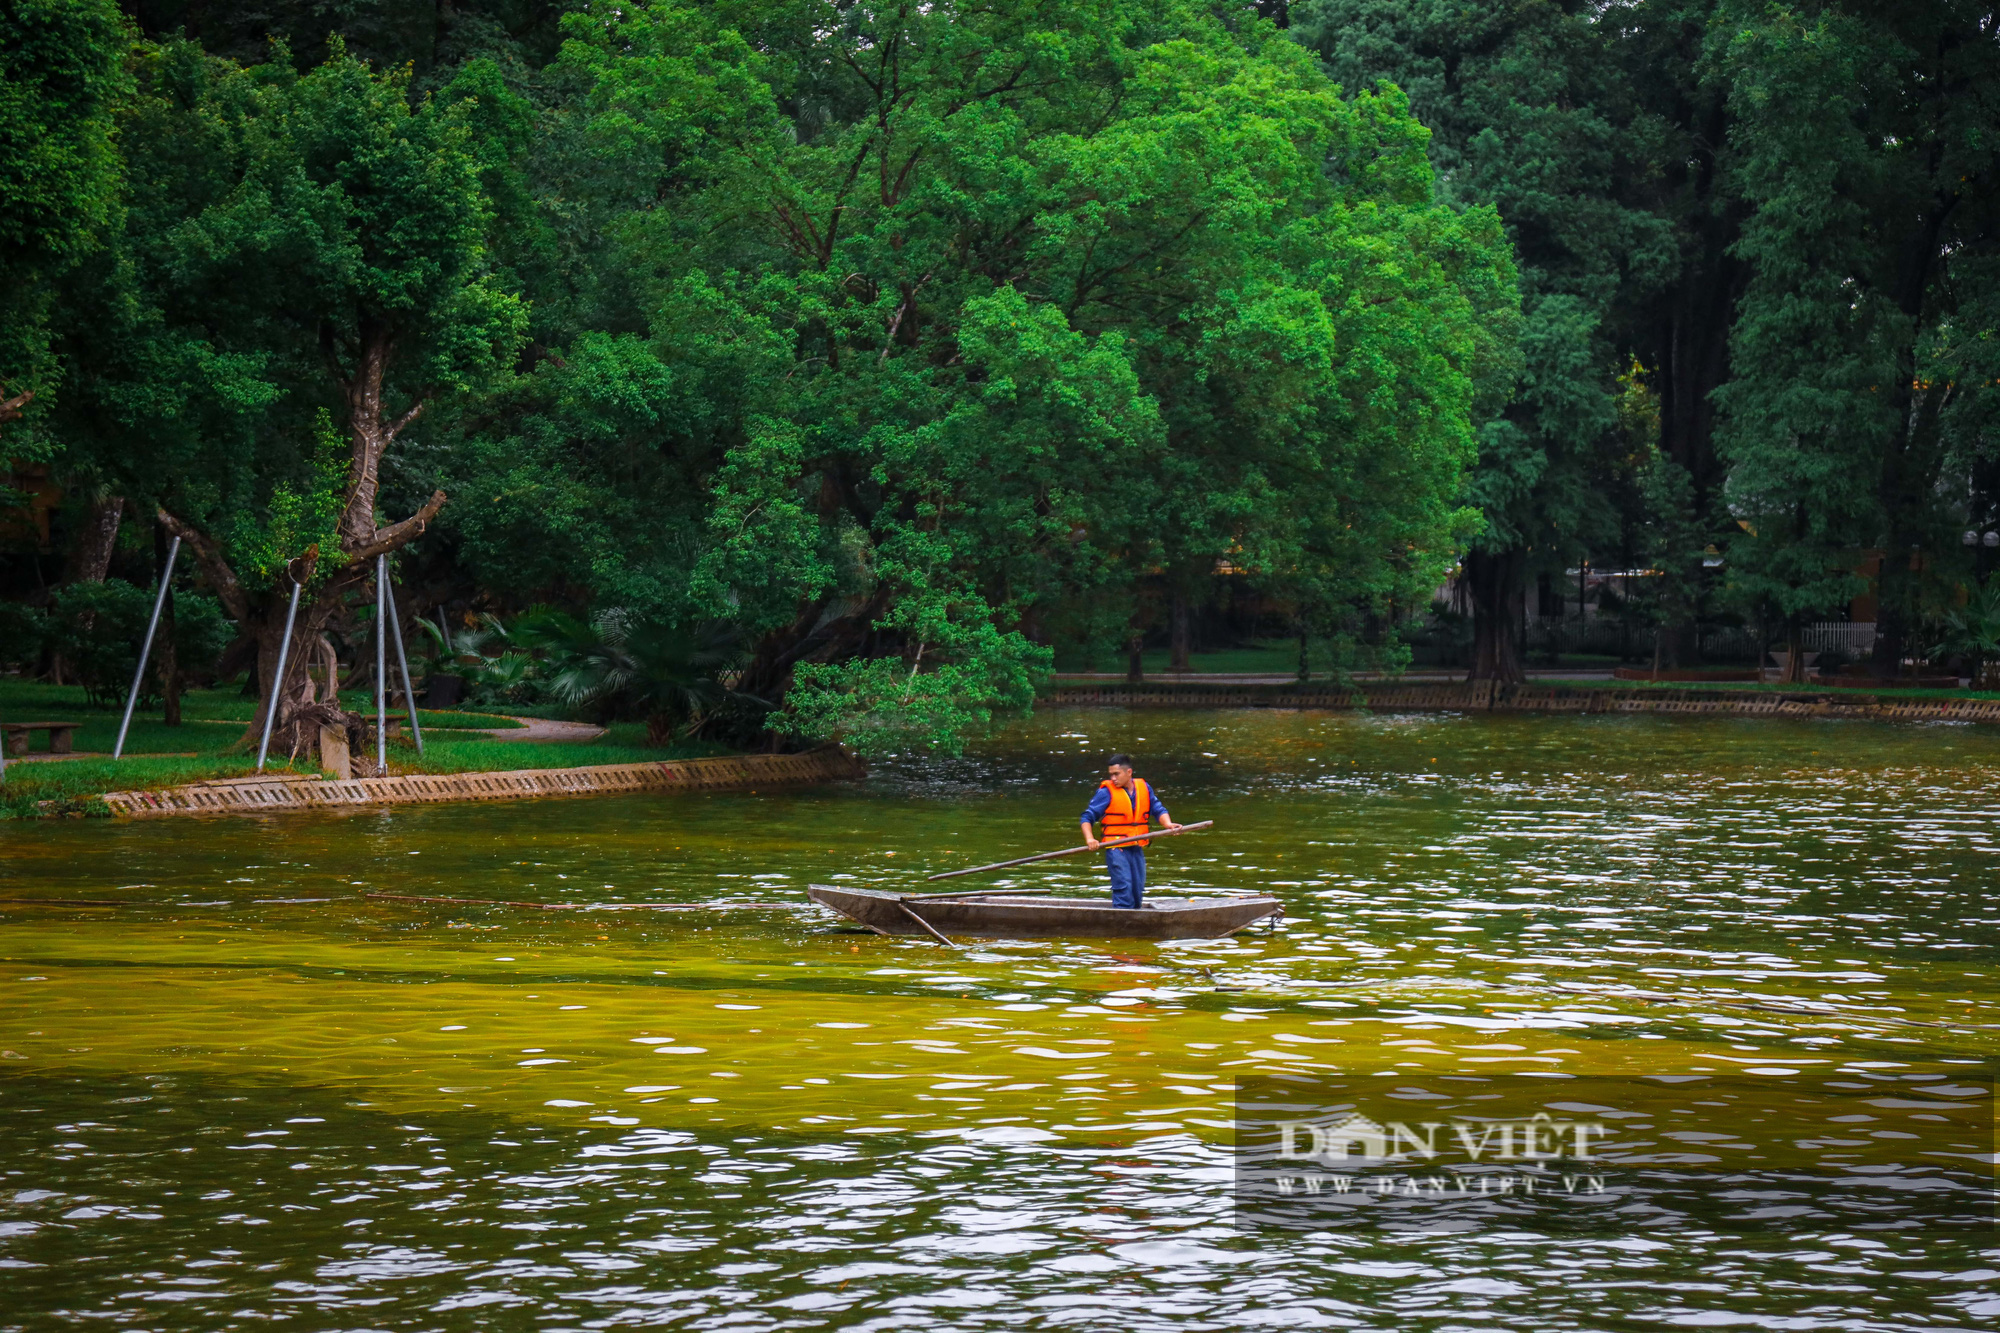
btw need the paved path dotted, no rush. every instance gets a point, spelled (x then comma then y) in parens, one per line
(545, 729)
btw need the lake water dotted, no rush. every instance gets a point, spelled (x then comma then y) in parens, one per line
(248, 1094)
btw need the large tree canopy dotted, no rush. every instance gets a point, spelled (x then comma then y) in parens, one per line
(1865, 140)
(881, 351)
(1532, 115)
(62, 73)
(302, 274)
(970, 319)
(1080, 291)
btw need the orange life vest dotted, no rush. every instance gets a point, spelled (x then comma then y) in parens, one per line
(1130, 812)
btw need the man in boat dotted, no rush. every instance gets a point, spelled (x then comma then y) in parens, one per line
(1126, 806)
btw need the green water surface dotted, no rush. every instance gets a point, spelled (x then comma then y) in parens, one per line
(246, 1094)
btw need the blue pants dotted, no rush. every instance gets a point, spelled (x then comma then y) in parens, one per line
(1128, 875)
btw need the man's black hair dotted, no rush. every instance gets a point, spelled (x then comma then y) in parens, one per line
(1119, 760)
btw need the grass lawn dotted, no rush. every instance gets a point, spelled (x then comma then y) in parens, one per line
(210, 743)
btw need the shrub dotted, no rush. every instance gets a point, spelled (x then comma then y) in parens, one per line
(98, 627)
(23, 631)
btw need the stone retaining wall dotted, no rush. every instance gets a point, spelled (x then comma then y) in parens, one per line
(1485, 696)
(291, 792)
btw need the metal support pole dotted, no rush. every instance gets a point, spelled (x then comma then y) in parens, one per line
(381, 667)
(146, 649)
(278, 681)
(403, 661)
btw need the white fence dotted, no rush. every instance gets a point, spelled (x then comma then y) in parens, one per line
(1852, 640)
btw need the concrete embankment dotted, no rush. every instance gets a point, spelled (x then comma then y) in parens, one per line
(264, 795)
(1487, 697)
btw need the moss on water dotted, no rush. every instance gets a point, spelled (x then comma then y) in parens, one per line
(1451, 862)
(249, 1074)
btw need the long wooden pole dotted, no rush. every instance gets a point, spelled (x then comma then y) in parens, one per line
(929, 929)
(1072, 851)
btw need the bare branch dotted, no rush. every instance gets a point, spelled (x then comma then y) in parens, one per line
(909, 300)
(416, 410)
(209, 556)
(10, 408)
(398, 535)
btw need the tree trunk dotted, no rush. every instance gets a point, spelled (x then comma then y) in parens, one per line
(1885, 658)
(96, 539)
(262, 618)
(170, 668)
(1135, 662)
(1179, 616)
(90, 557)
(361, 540)
(808, 638)
(1499, 601)
(297, 688)
(1305, 654)
(329, 664)
(1896, 592)
(1795, 654)
(1674, 640)
(659, 729)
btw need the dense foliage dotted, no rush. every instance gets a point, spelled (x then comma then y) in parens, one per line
(61, 76)
(1784, 212)
(829, 367)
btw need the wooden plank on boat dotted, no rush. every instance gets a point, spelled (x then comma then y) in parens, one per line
(1003, 915)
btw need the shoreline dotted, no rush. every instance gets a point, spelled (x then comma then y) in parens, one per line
(1488, 697)
(285, 792)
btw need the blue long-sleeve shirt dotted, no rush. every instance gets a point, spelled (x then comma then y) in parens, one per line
(1101, 801)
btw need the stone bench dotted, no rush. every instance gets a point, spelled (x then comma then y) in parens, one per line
(19, 733)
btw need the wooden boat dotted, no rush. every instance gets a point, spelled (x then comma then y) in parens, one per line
(999, 914)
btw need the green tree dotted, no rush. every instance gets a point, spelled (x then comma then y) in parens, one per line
(1529, 112)
(1678, 330)
(1864, 140)
(1027, 304)
(302, 275)
(1974, 630)
(62, 74)
(621, 664)
(588, 480)
(98, 628)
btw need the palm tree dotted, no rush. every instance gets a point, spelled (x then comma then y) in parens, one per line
(1974, 629)
(668, 673)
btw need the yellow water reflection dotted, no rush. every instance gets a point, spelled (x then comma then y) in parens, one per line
(1465, 897)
